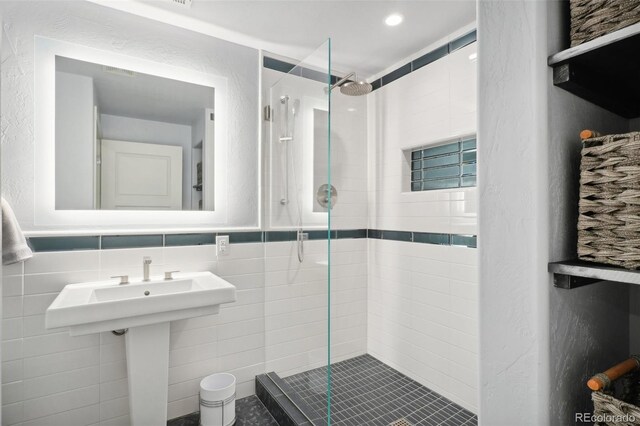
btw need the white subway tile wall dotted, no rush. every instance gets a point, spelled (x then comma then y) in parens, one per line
(296, 304)
(422, 315)
(420, 109)
(422, 299)
(278, 323)
(51, 378)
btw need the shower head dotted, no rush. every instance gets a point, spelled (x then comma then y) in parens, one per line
(352, 88)
(356, 88)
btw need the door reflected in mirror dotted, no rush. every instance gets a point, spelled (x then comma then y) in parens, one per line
(125, 140)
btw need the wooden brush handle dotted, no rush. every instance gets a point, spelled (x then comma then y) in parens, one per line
(588, 134)
(600, 381)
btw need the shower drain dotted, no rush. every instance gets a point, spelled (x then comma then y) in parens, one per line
(400, 422)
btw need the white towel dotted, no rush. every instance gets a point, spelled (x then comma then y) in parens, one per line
(14, 245)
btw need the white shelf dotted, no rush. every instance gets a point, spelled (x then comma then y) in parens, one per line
(595, 44)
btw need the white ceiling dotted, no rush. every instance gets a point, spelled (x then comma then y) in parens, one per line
(360, 39)
(142, 96)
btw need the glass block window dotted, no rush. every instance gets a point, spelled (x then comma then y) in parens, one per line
(452, 165)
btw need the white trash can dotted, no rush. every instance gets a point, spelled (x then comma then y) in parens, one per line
(218, 400)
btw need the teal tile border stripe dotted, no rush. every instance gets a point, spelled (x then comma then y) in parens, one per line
(131, 241)
(408, 68)
(296, 69)
(42, 244)
(177, 240)
(109, 242)
(470, 241)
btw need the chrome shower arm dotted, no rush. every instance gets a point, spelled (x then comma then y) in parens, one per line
(342, 80)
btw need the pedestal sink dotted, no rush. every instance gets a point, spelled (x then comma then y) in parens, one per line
(145, 309)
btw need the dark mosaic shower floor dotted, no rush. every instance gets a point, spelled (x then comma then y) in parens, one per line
(368, 392)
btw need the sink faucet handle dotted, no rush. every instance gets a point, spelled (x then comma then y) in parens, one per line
(124, 279)
(146, 261)
(168, 276)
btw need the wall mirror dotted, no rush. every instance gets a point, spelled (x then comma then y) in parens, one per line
(127, 140)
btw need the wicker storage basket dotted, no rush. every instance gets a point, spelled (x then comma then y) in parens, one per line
(617, 405)
(609, 208)
(593, 18)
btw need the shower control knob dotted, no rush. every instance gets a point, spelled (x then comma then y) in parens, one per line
(323, 196)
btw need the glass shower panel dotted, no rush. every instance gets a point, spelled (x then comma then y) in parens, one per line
(297, 221)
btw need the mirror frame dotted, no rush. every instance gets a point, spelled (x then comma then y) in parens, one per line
(45, 214)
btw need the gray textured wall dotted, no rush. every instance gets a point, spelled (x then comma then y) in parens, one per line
(512, 212)
(588, 326)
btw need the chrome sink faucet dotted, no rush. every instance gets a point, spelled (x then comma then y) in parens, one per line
(146, 261)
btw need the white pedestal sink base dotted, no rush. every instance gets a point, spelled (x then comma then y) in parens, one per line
(146, 308)
(148, 371)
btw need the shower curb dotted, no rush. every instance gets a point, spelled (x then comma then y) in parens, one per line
(278, 404)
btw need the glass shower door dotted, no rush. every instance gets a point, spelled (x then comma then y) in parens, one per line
(298, 231)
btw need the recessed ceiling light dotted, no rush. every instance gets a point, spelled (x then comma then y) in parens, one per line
(473, 56)
(393, 19)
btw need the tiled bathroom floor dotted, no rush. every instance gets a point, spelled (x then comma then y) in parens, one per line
(368, 392)
(249, 412)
